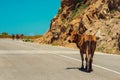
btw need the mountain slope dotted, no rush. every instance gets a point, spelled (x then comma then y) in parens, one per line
(97, 17)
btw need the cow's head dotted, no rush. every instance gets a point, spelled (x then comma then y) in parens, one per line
(73, 36)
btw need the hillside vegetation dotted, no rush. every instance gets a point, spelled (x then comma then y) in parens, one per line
(5, 35)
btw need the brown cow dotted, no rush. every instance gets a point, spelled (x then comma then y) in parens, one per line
(13, 36)
(87, 45)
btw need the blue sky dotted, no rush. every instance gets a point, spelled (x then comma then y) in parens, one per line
(30, 17)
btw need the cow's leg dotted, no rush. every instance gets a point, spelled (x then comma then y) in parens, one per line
(88, 55)
(89, 63)
(82, 58)
(86, 62)
(91, 60)
(92, 54)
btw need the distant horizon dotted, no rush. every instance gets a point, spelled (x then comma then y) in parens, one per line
(28, 17)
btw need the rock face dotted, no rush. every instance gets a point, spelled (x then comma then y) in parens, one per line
(97, 17)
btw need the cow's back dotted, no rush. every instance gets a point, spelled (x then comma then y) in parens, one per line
(87, 41)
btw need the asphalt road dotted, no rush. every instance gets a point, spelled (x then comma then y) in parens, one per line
(28, 61)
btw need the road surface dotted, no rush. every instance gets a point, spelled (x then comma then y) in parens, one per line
(27, 61)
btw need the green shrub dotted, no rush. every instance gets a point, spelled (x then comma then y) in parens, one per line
(113, 10)
(78, 10)
(60, 10)
(101, 48)
(28, 40)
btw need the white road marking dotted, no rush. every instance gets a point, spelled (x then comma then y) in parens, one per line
(93, 64)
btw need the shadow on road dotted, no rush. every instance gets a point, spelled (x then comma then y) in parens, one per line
(77, 68)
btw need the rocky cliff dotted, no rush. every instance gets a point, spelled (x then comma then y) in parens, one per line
(97, 17)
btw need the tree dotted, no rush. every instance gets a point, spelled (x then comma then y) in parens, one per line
(4, 34)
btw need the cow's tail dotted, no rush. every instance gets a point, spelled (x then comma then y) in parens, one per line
(90, 45)
(89, 55)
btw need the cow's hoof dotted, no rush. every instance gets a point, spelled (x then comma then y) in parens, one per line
(82, 68)
(90, 70)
